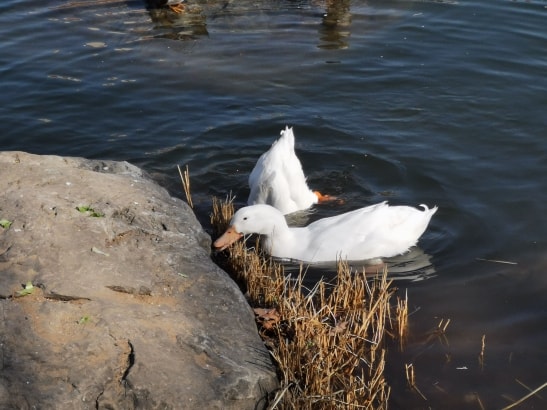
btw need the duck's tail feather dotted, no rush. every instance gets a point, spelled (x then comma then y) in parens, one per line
(427, 209)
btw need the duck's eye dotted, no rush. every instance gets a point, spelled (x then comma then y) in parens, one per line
(244, 218)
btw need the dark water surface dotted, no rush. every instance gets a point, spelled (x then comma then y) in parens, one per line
(442, 103)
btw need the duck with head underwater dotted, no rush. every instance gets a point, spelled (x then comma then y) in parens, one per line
(278, 180)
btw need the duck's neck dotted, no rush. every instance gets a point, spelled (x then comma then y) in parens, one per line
(278, 237)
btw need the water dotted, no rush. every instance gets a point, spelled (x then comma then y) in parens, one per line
(440, 103)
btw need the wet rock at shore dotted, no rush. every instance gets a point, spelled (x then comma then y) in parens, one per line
(109, 299)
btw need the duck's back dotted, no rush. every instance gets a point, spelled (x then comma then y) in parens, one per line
(367, 233)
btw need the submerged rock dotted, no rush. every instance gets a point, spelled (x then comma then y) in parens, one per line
(109, 299)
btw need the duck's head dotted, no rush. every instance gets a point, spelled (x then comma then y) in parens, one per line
(260, 219)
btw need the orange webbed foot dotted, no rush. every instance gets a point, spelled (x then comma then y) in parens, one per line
(327, 198)
(177, 8)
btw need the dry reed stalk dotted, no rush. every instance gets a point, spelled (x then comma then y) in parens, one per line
(479, 401)
(222, 213)
(443, 325)
(481, 354)
(497, 261)
(527, 388)
(328, 340)
(439, 333)
(401, 312)
(185, 178)
(532, 393)
(411, 380)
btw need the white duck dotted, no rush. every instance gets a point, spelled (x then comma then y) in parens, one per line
(278, 179)
(372, 232)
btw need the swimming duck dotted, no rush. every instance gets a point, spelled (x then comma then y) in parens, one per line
(278, 179)
(370, 233)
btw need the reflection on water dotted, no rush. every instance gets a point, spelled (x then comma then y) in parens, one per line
(412, 266)
(335, 27)
(431, 102)
(333, 32)
(187, 25)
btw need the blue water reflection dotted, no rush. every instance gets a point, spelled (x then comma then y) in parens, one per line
(410, 101)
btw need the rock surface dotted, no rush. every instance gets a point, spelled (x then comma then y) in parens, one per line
(127, 310)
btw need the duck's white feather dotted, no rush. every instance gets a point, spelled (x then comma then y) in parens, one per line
(278, 179)
(372, 232)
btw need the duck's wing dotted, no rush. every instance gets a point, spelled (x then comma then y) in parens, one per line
(372, 232)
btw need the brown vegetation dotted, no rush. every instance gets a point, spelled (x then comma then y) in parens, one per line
(328, 342)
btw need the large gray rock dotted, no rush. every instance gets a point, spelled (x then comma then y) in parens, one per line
(127, 310)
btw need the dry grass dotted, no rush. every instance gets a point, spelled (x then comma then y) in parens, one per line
(327, 341)
(185, 178)
(222, 213)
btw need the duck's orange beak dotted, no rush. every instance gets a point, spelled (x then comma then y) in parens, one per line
(227, 238)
